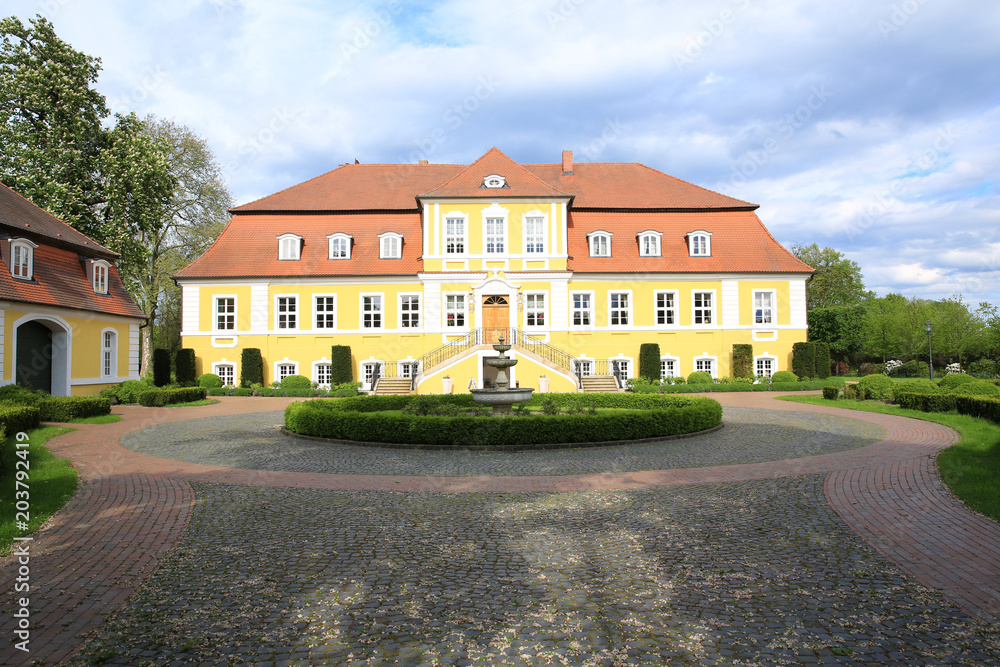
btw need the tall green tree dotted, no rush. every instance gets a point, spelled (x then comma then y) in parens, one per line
(837, 281)
(959, 332)
(841, 327)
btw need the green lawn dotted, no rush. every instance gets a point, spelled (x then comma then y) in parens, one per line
(51, 482)
(970, 468)
(99, 419)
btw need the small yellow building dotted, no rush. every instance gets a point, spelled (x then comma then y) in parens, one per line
(67, 324)
(419, 268)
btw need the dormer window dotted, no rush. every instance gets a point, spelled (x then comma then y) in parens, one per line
(22, 258)
(390, 245)
(289, 246)
(600, 243)
(101, 277)
(494, 181)
(700, 243)
(649, 243)
(340, 246)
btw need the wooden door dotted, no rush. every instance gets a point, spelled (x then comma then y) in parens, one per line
(496, 319)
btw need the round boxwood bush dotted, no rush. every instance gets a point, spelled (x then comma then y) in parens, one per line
(210, 381)
(949, 382)
(784, 376)
(700, 377)
(296, 382)
(977, 388)
(876, 387)
(923, 386)
(373, 419)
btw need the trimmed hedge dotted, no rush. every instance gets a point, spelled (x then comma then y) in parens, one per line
(364, 419)
(831, 393)
(296, 382)
(184, 366)
(915, 387)
(928, 402)
(161, 367)
(341, 370)
(977, 388)
(209, 381)
(822, 363)
(743, 386)
(66, 408)
(15, 418)
(128, 391)
(159, 397)
(804, 359)
(784, 376)
(251, 367)
(742, 360)
(982, 407)
(876, 387)
(649, 361)
(699, 377)
(954, 380)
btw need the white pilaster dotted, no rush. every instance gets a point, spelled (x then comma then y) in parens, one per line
(730, 303)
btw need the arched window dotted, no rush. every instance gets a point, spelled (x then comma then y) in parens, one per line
(109, 353)
(340, 246)
(289, 246)
(390, 245)
(101, 277)
(700, 243)
(600, 243)
(649, 243)
(22, 258)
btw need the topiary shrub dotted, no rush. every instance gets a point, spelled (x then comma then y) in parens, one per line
(804, 359)
(341, 369)
(160, 397)
(876, 387)
(831, 393)
(210, 381)
(67, 408)
(18, 395)
(16, 418)
(128, 391)
(184, 366)
(784, 376)
(823, 360)
(915, 387)
(251, 367)
(949, 382)
(977, 388)
(700, 377)
(161, 367)
(296, 382)
(649, 361)
(742, 360)
(977, 406)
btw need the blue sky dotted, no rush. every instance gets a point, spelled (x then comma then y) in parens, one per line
(872, 127)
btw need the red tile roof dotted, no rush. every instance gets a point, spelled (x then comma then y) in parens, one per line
(519, 181)
(19, 217)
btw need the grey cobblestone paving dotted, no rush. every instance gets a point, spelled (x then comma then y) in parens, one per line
(254, 442)
(746, 573)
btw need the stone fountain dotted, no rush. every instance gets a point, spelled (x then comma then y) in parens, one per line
(501, 398)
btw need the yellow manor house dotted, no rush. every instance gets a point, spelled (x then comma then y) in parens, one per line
(420, 268)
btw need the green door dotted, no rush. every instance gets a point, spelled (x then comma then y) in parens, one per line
(34, 356)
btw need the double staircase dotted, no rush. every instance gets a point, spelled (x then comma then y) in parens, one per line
(597, 384)
(393, 386)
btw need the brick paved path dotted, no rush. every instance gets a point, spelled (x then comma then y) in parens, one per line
(132, 508)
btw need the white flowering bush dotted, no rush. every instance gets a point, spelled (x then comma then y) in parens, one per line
(953, 368)
(892, 365)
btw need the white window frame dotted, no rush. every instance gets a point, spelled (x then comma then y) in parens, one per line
(316, 312)
(315, 372)
(653, 238)
(228, 364)
(277, 313)
(714, 361)
(367, 386)
(496, 215)
(109, 353)
(628, 309)
(589, 310)
(630, 368)
(773, 319)
(289, 247)
(380, 311)
(463, 239)
(278, 377)
(102, 274)
(677, 365)
(765, 357)
(544, 310)
(585, 360)
(674, 310)
(215, 312)
(464, 312)
(28, 251)
(405, 367)
(592, 242)
(419, 310)
(339, 236)
(694, 248)
(494, 181)
(542, 240)
(390, 245)
(713, 310)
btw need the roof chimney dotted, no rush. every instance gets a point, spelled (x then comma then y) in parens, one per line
(422, 162)
(567, 163)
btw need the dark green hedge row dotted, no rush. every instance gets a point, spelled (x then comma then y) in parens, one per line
(743, 386)
(159, 397)
(979, 406)
(353, 419)
(649, 361)
(161, 367)
(184, 366)
(927, 402)
(251, 367)
(15, 418)
(65, 408)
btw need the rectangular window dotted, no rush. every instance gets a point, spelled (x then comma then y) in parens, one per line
(619, 310)
(765, 366)
(409, 311)
(454, 236)
(324, 376)
(702, 307)
(339, 248)
(583, 367)
(703, 365)
(108, 354)
(455, 310)
(668, 368)
(225, 313)
(534, 235)
(535, 310)
(284, 370)
(227, 373)
(100, 279)
(763, 308)
(409, 369)
(582, 313)
(22, 255)
(288, 312)
(371, 312)
(666, 308)
(325, 313)
(600, 245)
(289, 247)
(495, 235)
(390, 247)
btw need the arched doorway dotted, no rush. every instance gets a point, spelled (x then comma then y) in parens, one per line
(496, 319)
(41, 355)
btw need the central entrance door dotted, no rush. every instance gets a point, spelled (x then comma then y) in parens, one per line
(496, 319)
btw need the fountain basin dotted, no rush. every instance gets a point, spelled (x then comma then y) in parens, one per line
(502, 396)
